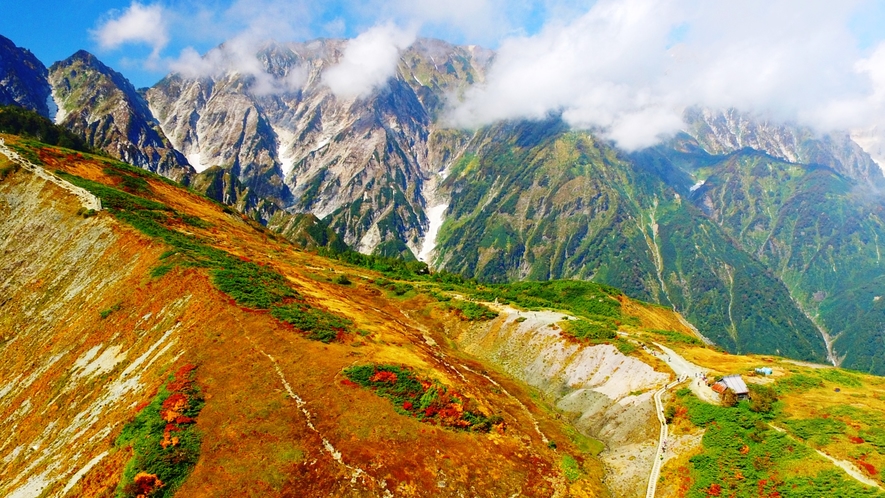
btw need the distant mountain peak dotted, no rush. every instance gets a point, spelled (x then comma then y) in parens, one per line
(101, 105)
(23, 79)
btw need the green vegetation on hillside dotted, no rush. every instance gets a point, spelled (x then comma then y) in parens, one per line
(424, 399)
(744, 456)
(164, 439)
(250, 284)
(19, 121)
(818, 231)
(318, 324)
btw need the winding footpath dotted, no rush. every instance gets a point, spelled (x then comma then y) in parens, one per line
(662, 440)
(685, 370)
(848, 467)
(89, 201)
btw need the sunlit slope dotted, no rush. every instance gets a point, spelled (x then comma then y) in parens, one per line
(822, 435)
(169, 326)
(98, 317)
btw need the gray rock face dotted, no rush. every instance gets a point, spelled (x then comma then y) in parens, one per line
(22, 79)
(102, 106)
(728, 131)
(362, 164)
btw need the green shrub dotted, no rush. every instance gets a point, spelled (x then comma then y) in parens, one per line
(471, 311)
(762, 398)
(839, 376)
(818, 430)
(678, 337)
(591, 330)
(318, 324)
(797, 383)
(164, 439)
(106, 313)
(160, 270)
(570, 468)
(7, 169)
(421, 398)
(587, 299)
(625, 347)
(251, 285)
(670, 413)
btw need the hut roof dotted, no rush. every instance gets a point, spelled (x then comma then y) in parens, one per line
(735, 383)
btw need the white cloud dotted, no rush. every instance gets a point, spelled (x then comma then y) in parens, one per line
(238, 56)
(368, 61)
(630, 67)
(138, 24)
(627, 68)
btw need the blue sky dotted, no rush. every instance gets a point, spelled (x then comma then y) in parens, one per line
(55, 29)
(627, 67)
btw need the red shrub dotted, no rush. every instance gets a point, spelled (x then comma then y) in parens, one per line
(145, 484)
(173, 406)
(384, 376)
(867, 467)
(856, 440)
(714, 490)
(407, 405)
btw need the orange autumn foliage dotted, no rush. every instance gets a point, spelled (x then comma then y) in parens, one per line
(146, 484)
(384, 376)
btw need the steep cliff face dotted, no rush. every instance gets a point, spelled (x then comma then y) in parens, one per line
(364, 165)
(101, 105)
(604, 393)
(23, 79)
(723, 132)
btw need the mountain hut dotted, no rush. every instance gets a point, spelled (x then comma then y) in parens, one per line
(734, 383)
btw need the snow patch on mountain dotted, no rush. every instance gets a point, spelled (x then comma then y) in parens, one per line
(196, 160)
(285, 149)
(436, 215)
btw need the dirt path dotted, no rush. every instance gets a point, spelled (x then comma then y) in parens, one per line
(89, 201)
(848, 467)
(684, 368)
(662, 440)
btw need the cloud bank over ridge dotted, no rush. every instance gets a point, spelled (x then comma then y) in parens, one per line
(626, 68)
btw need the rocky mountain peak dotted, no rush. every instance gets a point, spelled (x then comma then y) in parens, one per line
(101, 105)
(723, 132)
(23, 79)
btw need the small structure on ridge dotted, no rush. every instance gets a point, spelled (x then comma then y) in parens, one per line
(734, 383)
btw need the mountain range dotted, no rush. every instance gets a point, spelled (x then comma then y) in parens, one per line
(764, 236)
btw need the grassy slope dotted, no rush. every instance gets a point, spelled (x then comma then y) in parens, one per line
(255, 437)
(822, 408)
